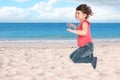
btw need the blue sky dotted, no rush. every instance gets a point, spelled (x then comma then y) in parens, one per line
(56, 10)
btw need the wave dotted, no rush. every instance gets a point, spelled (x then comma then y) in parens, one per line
(60, 40)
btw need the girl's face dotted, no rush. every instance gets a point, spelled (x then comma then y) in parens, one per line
(79, 15)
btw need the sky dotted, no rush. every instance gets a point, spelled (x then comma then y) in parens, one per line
(105, 11)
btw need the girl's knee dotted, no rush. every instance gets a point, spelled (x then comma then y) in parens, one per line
(74, 60)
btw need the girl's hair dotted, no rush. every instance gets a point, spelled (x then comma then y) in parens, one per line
(85, 9)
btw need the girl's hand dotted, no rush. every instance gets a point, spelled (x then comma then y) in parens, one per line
(72, 25)
(69, 30)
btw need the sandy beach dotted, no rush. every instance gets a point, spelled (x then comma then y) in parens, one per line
(49, 60)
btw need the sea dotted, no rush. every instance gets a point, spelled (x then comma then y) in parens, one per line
(56, 31)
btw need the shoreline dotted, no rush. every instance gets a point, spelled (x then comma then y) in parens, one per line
(52, 43)
(57, 40)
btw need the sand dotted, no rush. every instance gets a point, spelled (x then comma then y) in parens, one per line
(26, 60)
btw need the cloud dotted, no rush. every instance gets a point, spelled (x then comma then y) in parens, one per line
(12, 13)
(44, 6)
(51, 2)
(46, 11)
(21, 0)
(105, 10)
(49, 13)
(58, 14)
(100, 2)
(105, 14)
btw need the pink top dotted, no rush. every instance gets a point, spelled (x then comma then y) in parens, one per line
(83, 40)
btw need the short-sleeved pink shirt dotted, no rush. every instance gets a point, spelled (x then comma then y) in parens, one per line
(83, 40)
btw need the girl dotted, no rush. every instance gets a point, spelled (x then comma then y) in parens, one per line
(85, 50)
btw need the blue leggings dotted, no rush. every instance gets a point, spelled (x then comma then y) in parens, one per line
(83, 54)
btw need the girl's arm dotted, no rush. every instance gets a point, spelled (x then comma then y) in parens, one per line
(80, 32)
(72, 25)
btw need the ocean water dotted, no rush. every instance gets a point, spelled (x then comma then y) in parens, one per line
(54, 31)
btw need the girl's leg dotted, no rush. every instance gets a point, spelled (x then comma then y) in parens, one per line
(73, 53)
(89, 50)
(77, 54)
(83, 52)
